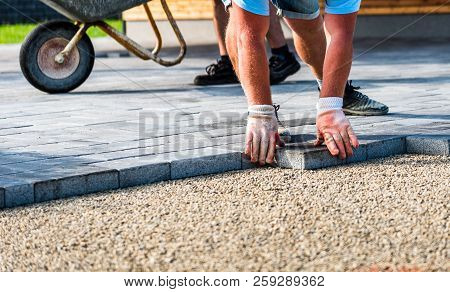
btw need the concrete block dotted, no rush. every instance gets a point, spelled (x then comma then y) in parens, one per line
(145, 174)
(428, 144)
(246, 163)
(76, 182)
(2, 198)
(209, 162)
(102, 181)
(301, 153)
(16, 191)
(139, 171)
(359, 154)
(385, 147)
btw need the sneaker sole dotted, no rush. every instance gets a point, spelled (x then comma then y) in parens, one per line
(290, 71)
(218, 82)
(361, 113)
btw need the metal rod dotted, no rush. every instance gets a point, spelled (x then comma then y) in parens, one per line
(139, 50)
(59, 58)
(155, 29)
(178, 34)
(126, 42)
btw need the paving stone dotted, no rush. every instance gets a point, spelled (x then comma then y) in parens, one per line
(301, 153)
(386, 146)
(301, 156)
(139, 171)
(75, 182)
(2, 198)
(102, 181)
(16, 191)
(359, 154)
(428, 144)
(207, 161)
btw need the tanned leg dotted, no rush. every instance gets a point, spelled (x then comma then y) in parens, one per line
(220, 25)
(275, 36)
(338, 60)
(245, 43)
(310, 42)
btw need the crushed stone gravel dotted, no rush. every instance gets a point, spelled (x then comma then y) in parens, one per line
(386, 214)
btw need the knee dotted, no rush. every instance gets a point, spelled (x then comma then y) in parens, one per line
(250, 38)
(342, 36)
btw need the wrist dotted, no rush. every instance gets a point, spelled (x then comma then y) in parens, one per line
(329, 104)
(261, 110)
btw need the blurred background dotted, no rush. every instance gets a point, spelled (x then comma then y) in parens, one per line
(401, 19)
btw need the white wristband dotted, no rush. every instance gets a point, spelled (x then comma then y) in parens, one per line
(329, 103)
(261, 109)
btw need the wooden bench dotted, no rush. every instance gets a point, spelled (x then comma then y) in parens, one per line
(202, 9)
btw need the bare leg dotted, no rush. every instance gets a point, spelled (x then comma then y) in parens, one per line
(338, 60)
(310, 42)
(275, 35)
(220, 25)
(245, 43)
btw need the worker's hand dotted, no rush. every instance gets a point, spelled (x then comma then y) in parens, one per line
(335, 130)
(262, 134)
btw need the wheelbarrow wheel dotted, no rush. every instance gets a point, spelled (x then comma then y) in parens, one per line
(38, 52)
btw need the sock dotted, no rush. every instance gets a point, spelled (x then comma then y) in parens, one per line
(319, 83)
(281, 51)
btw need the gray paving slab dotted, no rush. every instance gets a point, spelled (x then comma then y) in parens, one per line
(200, 161)
(387, 146)
(139, 171)
(302, 154)
(16, 191)
(2, 198)
(101, 135)
(428, 144)
(75, 182)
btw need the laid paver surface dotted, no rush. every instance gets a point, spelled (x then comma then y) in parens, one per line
(135, 122)
(385, 214)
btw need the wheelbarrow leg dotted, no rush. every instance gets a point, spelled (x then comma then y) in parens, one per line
(59, 58)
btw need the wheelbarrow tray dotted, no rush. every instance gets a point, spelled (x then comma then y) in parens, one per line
(91, 10)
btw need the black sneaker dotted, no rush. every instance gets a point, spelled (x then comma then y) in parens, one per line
(285, 134)
(218, 73)
(357, 103)
(281, 67)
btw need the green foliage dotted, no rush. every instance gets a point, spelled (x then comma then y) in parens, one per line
(16, 33)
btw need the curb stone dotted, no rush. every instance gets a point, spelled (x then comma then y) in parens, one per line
(108, 175)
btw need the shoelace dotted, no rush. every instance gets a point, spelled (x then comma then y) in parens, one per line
(352, 89)
(274, 61)
(213, 68)
(277, 108)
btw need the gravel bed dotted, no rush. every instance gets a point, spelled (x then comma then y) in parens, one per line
(386, 214)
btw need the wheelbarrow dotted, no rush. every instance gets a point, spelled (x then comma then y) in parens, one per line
(58, 56)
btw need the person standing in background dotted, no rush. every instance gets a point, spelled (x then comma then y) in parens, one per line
(282, 63)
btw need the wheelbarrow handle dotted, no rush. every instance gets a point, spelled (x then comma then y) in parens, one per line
(142, 52)
(176, 30)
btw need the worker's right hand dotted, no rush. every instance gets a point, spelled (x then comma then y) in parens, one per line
(262, 135)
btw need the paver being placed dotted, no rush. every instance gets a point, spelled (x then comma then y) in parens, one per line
(134, 123)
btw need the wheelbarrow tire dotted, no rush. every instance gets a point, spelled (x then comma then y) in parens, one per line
(38, 53)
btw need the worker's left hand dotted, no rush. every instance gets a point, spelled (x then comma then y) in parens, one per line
(335, 130)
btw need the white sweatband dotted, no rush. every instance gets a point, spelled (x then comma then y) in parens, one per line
(261, 109)
(329, 103)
